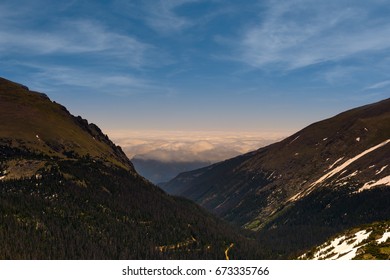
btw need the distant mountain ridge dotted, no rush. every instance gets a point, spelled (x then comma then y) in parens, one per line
(160, 172)
(340, 161)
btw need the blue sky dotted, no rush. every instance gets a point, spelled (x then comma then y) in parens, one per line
(214, 65)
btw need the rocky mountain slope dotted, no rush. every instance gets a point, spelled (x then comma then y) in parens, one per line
(67, 192)
(324, 178)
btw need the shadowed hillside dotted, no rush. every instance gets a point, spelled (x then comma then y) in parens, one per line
(67, 192)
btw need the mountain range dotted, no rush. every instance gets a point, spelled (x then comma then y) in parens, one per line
(328, 177)
(68, 192)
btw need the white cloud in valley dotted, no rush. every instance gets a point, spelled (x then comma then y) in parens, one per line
(184, 146)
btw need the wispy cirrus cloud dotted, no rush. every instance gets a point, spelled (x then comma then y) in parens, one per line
(161, 15)
(339, 74)
(75, 37)
(49, 78)
(165, 17)
(301, 33)
(67, 50)
(379, 85)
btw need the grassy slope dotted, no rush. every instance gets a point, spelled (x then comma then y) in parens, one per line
(25, 114)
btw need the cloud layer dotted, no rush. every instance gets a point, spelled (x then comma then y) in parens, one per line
(181, 146)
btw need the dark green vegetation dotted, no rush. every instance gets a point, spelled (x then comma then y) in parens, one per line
(87, 210)
(67, 192)
(320, 215)
(297, 193)
(372, 250)
(375, 245)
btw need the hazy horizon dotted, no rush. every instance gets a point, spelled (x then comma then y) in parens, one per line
(190, 146)
(199, 65)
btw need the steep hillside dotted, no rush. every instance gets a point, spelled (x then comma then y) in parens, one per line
(31, 122)
(67, 192)
(329, 175)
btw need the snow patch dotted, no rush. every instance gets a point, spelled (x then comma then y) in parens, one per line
(325, 139)
(348, 162)
(371, 166)
(384, 237)
(37, 136)
(342, 184)
(294, 139)
(295, 197)
(270, 176)
(2, 177)
(353, 174)
(358, 139)
(350, 176)
(296, 154)
(341, 248)
(384, 181)
(331, 166)
(365, 129)
(380, 171)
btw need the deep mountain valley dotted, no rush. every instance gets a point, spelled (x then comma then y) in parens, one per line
(68, 192)
(328, 177)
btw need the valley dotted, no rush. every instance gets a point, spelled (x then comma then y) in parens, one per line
(72, 194)
(329, 176)
(68, 192)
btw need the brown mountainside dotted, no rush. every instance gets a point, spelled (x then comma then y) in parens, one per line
(351, 149)
(32, 122)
